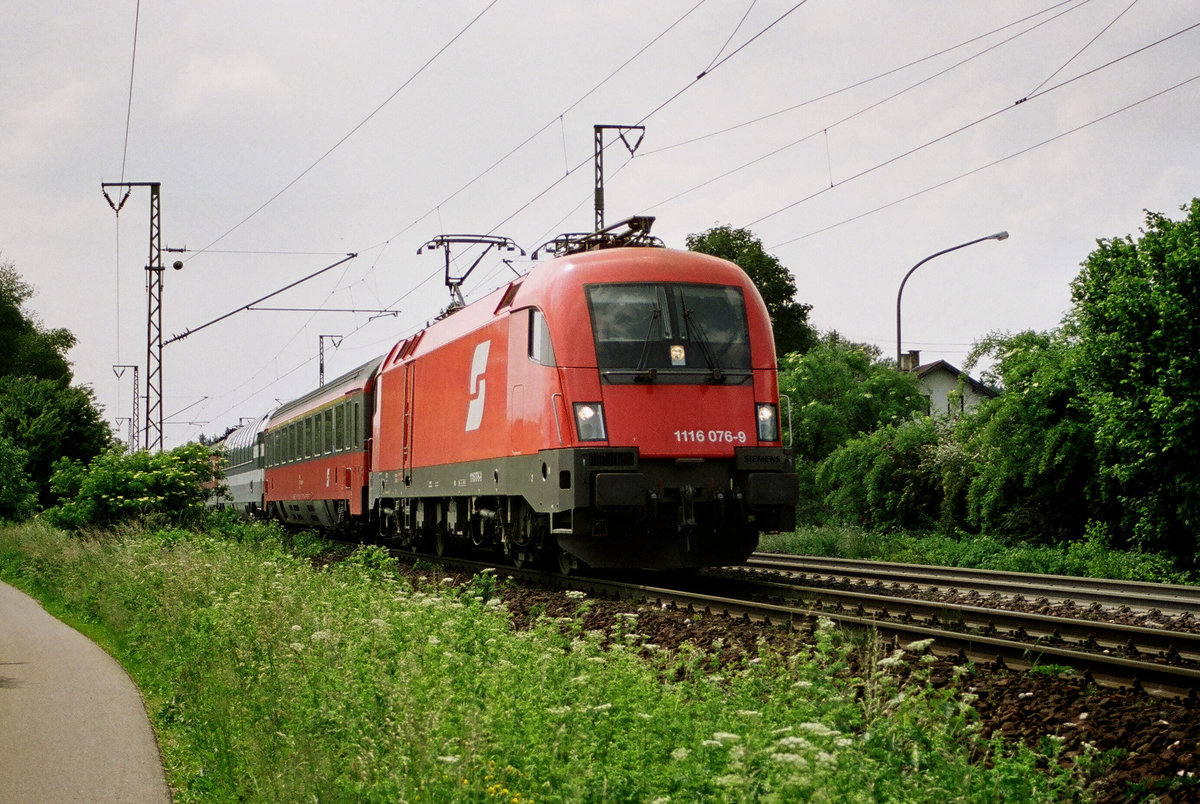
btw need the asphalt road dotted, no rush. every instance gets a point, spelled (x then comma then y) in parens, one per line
(73, 727)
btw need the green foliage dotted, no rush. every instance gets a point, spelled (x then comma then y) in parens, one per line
(1137, 308)
(1030, 452)
(41, 415)
(1091, 556)
(789, 318)
(118, 487)
(886, 479)
(50, 420)
(271, 679)
(838, 392)
(28, 349)
(18, 496)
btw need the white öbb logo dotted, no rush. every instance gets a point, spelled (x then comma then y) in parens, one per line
(477, 386)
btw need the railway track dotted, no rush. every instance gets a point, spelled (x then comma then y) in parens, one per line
(1083, 592)
(1160, 661)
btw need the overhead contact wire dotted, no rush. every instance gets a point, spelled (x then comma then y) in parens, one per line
(972, 124)
(354, 130)
(993, 163)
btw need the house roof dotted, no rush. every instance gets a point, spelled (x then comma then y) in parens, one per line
(925, 369)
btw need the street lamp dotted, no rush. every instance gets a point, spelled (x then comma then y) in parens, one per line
(996, 236)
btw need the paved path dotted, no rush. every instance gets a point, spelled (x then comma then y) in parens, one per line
(73, 727)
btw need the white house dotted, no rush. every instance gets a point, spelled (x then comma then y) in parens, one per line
(938, 382)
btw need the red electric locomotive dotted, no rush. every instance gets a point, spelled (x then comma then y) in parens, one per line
(616, 407)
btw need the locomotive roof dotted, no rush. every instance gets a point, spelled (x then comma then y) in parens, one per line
(245, 435)
(355, 379)
(553, 286)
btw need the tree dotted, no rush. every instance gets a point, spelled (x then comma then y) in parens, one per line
(1137, 310)
(839, 391)
(789, 318)
(888, 478)
(42, 417)
(48, 420)
(26, 348)
(18, 497)
(1031, 451)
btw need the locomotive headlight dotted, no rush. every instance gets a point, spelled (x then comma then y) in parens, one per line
(768, 422)
(589, 421)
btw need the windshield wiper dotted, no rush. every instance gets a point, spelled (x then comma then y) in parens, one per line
(642, 373)
(697, 333)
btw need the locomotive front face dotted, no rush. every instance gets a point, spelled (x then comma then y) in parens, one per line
(695, 467)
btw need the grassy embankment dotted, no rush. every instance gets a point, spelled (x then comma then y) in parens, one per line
(271, 678)
(1090, 557)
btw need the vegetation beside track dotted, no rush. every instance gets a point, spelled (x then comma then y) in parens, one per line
(275, 674)
(1089, 557)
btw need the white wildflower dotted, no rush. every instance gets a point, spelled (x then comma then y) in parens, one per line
(749, 713)
(920, 646)
(680, 754)
(449, 759)
(795, 742)
(575, 594)
(819, 729)
(321, 636)
(790, 759)
(725, 737)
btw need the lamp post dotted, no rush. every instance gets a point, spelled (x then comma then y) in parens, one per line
(899, 293)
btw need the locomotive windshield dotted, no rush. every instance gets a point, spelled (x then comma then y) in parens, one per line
(660, 332)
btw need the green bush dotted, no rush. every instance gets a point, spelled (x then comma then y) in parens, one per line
(169, 487)
(886, 479)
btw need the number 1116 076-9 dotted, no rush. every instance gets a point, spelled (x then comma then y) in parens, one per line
(710, 437)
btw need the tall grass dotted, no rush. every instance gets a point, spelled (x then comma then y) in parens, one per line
(270, 678)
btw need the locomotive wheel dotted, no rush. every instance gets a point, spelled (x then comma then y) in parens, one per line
(526, 545)
(567, 563)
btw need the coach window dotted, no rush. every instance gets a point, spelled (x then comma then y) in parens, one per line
(329, 430)
(540, 349)
(357, 428)
(339, 427)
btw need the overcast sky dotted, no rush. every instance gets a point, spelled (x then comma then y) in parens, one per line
(855, 138)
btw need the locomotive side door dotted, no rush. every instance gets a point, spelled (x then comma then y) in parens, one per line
(410, 372)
